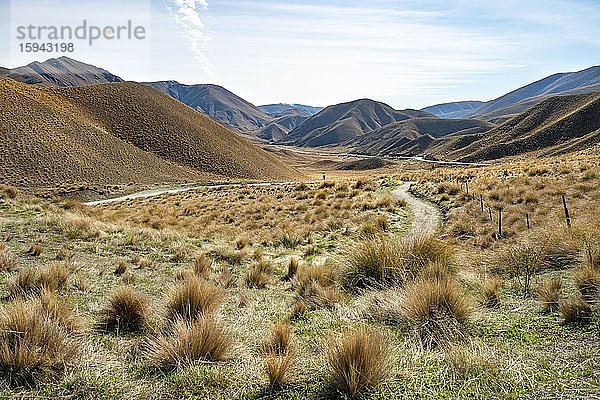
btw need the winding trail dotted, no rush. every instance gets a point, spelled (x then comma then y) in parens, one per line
(426, 217)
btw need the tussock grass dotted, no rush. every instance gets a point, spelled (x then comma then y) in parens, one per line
(358, 361)
(58, 310)
(385, 262)
(279, 340)
(548, 294)
(438, 311)
(202, 266)
(125, 311)
(279, 369)
(121, 267)
(259, 275)
(587, 280)
(191, 299)
(36, 250)
(32, 280)
(491, 292)
(292, 269)
(204, 339)
(33, 344)
(575, 311)
(8, 261)
(9, 192)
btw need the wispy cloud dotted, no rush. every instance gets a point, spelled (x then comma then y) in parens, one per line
(187, 14)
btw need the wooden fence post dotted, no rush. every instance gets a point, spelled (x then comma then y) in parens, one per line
(527, 220)
(490, 213)
(500, 222)
(567, 215)
(481, 202)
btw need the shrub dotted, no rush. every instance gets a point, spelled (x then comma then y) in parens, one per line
(279, 369)
(202, 266)
(192, 299)
(548, 293)
(491, 292)
(523, 261)
(33, 346)
(125, 311)
(358, 361)
(438, 310)
(575, 311)
(259, 275)
(587, 280)
(201, 340)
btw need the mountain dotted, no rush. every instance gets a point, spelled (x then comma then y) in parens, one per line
(559, 124)
(511, 104)
(277, 110)
(117, 134)
(218, 103)
(342, 122)
(413, 136)
(280, 127)
(459, 109)
(61, 71)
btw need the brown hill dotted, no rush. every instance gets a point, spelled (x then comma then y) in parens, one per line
(117, 134)
(342, 122)
(557, 125)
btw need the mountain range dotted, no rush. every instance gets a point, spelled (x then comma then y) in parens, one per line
(556, 113)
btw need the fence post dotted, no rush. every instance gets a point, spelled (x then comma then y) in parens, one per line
(500, 222)
(490, 213)
(567, 215)
(481, 202)
(527, 220)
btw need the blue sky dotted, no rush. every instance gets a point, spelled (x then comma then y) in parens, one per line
(405, 53)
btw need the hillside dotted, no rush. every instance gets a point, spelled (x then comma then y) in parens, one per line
(277, 110)
(116, 134)
(458, 109)
(280, 127)
(218, 103)
(413, 136)
(62, 71)
(557, 125)
(340, 123)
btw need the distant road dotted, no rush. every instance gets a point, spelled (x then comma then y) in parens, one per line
(358, 155)
(158, 192)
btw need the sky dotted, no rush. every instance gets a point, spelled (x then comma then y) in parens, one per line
(409, 54)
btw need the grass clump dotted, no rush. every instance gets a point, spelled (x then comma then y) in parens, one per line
(202, 266)
(259, 275)
(292, 269)
(316, 287)
(278, 369)
(548, 294)
(437, 309)
(8, 262)
(125, 311)
(575, 311)
(189, 342)
(587, 280)
(358, 361)
(280, 339)
(491, 292)
(33, 280)
(191, 299)
(33, 345)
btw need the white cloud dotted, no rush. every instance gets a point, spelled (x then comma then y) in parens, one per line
(187, 14)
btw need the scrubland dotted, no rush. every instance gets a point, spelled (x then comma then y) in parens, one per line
(309, 290)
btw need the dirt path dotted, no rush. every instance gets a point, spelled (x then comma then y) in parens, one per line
(426, 217)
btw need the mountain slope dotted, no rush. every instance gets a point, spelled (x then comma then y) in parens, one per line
(412, 137)
(558, 124)
(62, 71)
(277, 110)
(280, 127)
(218, 103)
(459, 109)
(117, 134)
(339, 123)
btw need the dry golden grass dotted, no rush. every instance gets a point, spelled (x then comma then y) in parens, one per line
(121, 267)
(437, 309)
(587, 280)
(189, 342)
(358, 361)
(259, 275)
(125, 311)
(575, 311)
(491, 292)
(33, 344)
(292, 269)
(36, 250)
(32, 280)
(8, 261)
(202, 266)
(279, 340)
(548, 294)
(279, 369)
(191, 299)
